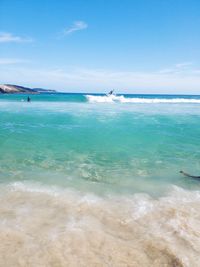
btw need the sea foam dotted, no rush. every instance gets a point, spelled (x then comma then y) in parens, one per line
(122, 99)
(69, 228)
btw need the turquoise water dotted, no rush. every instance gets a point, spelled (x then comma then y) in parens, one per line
(106, 166)
(105, 147)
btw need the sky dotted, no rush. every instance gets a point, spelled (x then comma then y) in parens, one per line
(132, 46)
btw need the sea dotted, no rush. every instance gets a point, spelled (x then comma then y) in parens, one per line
(89, 180)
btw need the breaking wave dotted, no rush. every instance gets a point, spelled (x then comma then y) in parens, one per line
(45, 226)
(122, 99)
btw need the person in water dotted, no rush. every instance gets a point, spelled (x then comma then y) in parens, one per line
(188, 175)
(111, 92)
(28, 99)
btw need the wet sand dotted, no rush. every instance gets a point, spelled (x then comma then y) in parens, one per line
(45, 226)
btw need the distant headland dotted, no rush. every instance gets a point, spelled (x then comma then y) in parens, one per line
(17, 89)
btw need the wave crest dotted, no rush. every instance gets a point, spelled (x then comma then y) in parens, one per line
(122, 99)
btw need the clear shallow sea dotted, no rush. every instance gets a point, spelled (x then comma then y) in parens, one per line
(94, 181)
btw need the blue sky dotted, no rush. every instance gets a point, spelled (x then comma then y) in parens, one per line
(134, 46)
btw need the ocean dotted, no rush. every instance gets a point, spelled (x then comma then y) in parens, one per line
(91, 180)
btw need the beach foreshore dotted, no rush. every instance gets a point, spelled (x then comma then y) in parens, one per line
(98, 183)
(48, 226)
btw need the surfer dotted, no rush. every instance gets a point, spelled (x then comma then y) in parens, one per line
(28, 99)
(111, 92)
(188, 175)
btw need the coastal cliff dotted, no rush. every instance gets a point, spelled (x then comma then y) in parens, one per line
(12, 89)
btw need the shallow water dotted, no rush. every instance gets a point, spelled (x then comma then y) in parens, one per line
(61, 227)
(97, 183)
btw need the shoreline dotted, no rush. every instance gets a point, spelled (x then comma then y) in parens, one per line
(75, 229)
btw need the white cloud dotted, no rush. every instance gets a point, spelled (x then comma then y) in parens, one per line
(183, 64)
(77, 26)
(6, 37)
(10, 61)
(178, 68)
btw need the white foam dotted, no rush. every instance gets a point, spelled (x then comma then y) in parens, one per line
(102, 99)
(122, 99)
(69, 228)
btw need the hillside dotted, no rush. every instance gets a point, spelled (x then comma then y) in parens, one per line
(12, 89)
